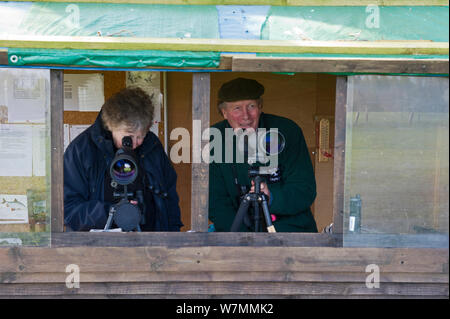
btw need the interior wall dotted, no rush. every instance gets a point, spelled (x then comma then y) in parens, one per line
(179, 114)
(304, 98)
(114, 81)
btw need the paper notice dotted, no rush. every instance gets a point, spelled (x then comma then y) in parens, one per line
(16, 149)
(83, 92)
(75, 130)
(26, 95)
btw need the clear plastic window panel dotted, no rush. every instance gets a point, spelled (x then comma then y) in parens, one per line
(396, 162)
(24, 157)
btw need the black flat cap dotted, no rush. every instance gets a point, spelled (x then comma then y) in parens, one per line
(240, 89)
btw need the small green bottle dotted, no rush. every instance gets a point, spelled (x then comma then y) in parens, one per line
(354, 224)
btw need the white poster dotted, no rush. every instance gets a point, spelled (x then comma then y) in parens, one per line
(16, 149)
(76, 130)
(83, 92)
(71, 132)
(13, 209)
(24, 95)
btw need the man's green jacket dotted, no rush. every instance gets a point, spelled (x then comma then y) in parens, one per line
(291, 197)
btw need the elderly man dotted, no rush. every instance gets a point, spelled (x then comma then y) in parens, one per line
(290, 191)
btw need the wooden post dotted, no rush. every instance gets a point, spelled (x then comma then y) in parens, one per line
(200, 168)
(57, 149)
(3, 57)
(339, 154)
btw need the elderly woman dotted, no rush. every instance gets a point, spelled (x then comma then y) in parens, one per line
(90, 192)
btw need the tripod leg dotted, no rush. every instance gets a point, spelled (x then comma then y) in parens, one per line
(256, 217)
(265, 207)
(242, 211)
(110, 218)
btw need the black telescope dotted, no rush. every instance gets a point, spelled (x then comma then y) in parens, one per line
(124, 170)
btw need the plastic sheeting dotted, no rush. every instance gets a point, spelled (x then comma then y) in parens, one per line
(114, 58)
(227, 22)
(205, 22)
(369, 23)
(126, 20)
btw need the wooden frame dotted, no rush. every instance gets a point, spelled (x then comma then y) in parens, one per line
(340, 65)
(190, 239)
(3, 57)
(339, 155)
(200, 169)
(199, 194)
(227, 45)
(57, 149)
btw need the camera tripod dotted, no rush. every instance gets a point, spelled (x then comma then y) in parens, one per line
(255, 200)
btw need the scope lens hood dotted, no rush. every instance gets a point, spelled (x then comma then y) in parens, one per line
(123, 169)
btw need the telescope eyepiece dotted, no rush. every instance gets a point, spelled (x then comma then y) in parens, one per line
(127, 142)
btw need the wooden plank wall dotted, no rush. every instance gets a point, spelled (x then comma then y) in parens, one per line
(223, 272)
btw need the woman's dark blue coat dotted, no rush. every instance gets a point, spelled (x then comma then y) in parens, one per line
(86, 161)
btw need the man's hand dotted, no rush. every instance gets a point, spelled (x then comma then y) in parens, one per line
(263, 188)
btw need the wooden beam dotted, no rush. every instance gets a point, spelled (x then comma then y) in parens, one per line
(339, 154)
(340, 65)
(228, 289)
(228, 45)
(222, 276)
(190, 239)
(3, 57)
(185, 239)
(233, 259)
(57, 149)
(201, 85)
(270, 2)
